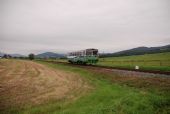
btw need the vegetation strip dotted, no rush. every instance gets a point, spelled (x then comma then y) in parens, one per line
(109, 67)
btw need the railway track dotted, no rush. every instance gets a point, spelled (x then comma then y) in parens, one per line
(110, 68)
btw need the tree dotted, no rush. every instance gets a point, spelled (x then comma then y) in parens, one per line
(31, 56)
(6, 56)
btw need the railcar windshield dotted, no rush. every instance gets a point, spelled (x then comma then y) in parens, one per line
(91, 52)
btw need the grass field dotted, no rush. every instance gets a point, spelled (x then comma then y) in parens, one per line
(109, 94)
(159, 61)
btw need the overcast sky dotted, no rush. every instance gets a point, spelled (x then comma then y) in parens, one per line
(66, 25)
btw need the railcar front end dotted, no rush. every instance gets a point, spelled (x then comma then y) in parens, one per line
(88, 56)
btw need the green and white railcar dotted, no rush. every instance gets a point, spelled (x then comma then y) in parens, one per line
(87, 56)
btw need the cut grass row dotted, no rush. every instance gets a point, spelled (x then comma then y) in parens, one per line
(105, 98)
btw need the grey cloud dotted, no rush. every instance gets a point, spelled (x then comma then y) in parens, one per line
(66, 25)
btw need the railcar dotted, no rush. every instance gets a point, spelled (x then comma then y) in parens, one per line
(87, 56)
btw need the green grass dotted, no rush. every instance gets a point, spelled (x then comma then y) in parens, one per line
(105, 98)
(157, 56)
(159, 61)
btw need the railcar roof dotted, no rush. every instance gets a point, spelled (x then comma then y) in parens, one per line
(84, 50)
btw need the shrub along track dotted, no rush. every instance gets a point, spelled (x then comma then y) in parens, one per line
(30, 83)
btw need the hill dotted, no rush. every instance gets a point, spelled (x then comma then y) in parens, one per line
(1, 54)
(17, 55)
(50, 55)
(12, 55)
(138, 51)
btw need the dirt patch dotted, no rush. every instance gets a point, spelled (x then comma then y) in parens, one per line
(26, 82)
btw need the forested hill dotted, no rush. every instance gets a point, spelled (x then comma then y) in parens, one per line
(138, 51)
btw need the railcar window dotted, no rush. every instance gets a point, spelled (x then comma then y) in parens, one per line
(95, 52)
(87, 52)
